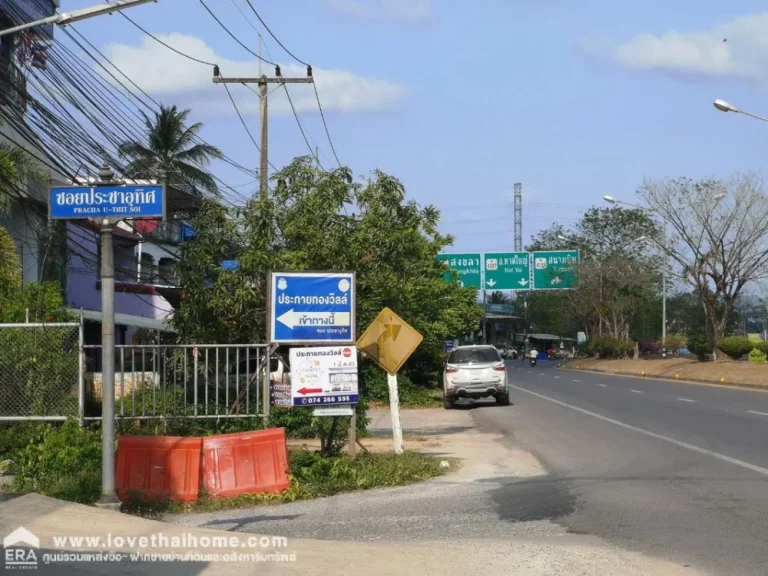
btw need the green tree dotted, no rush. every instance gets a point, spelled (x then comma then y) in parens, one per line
(318, 220)
(498, 297)
(616, 272)
(170, 152)
(717, 238)
(17, 171)
(10, 270)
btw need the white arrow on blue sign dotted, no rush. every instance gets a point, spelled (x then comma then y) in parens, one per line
(312, 308)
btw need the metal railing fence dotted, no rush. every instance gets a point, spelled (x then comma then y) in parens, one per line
(48, 373)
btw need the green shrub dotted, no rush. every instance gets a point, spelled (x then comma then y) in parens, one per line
(762, 345)
(375, 388)
(699, 346)
(609, 347)
(673, 342)
(58, 460)
(757, 356)
(735, 346)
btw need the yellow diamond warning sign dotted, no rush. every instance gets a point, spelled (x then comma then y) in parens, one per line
(389, 340)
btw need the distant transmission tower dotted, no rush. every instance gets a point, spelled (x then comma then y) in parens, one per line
(518, 217)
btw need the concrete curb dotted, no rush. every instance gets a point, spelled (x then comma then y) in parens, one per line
(726, 384)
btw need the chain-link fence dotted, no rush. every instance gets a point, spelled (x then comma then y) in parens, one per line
(40, 371)
(156, 381)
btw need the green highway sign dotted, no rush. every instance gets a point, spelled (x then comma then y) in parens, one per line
(555, 270)
(467, 266)
(507, 271)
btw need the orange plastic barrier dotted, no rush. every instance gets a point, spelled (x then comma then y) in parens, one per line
(159, 467)
(245, 463)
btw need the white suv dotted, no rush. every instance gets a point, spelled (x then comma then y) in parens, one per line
(475, 372)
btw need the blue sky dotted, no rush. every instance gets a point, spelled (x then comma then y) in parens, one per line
(460, 100)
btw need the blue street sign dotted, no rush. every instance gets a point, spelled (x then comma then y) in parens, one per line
(312, 308)
(82, 202)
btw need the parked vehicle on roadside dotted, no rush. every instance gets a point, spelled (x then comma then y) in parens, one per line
(475, 372)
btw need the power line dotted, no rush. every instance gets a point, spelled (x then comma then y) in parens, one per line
(241, 118)
(301, 128)
(291, 54)
(314, 85)
(325, 124)
(226, 158)
(156, 39)
(235, 38)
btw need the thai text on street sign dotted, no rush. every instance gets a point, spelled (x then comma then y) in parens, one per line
(507, 270)
(466, 265)
(555, 270)
(333, 411)
(389, 341)
(312, 307)
(116, 202)
(323, 376)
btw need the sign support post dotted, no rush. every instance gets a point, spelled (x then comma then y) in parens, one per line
(108, 202)
(108, 495)
(352, 434)
(389, 341)
(394, 412)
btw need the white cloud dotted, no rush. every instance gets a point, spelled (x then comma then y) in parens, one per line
(412, 11)
(736, 49)
(161, 72)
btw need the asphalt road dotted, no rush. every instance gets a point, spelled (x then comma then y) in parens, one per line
(676, 470)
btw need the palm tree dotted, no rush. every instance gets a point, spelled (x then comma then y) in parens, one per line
(170, 152)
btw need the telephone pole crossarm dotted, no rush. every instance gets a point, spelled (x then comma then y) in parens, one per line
(263, 79)
(263, 82)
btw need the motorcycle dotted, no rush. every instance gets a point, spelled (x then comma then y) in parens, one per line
(533, 362)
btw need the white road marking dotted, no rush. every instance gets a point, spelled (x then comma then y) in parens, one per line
(691, 447)
(557, 377)
(541, 374)
(637, 391)
(758, 413)
(576, 380)
(602, 385)
(689, 400)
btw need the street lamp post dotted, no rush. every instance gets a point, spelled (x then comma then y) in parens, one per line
(64, 18)
(724, 106)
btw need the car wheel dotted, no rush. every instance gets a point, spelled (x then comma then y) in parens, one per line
(503, 399)
(448, 403)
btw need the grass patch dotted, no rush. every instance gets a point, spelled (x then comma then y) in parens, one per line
(312, 476)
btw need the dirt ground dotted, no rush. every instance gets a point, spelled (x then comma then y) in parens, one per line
(722, 372)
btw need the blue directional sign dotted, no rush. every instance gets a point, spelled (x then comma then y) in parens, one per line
(312, 308)
(82, 202)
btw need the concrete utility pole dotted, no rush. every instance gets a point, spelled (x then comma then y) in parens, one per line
(108, 496)
(263, 81)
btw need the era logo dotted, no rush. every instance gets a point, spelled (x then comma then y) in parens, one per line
(16, 556)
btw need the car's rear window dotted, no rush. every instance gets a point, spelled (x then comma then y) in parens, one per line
(474, 355)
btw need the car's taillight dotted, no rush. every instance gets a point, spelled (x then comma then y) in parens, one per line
(499, 367)
(451, 369)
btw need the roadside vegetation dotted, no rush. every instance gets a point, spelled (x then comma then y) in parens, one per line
(706, 237)
(64, 461)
